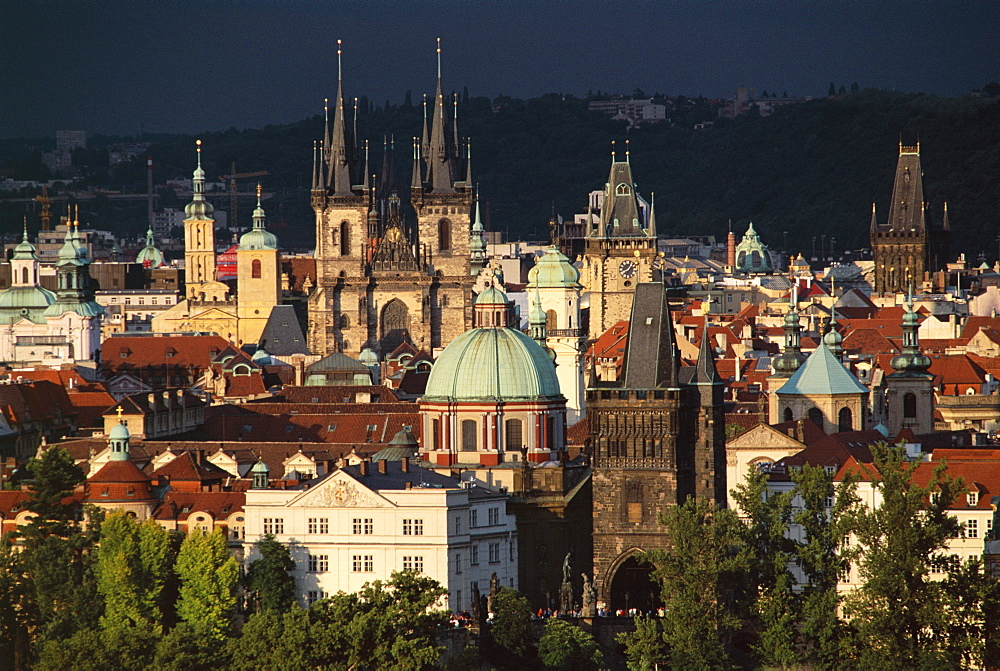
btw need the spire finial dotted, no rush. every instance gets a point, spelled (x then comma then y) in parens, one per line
(258, 194)
(614, 153)
(198, 149)
(25, 228)
(627, 152)
(340, 43)
(439, 56)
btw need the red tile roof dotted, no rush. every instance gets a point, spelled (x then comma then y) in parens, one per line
(180, 505)
(121, 354)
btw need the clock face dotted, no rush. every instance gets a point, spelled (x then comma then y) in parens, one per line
(627, 269)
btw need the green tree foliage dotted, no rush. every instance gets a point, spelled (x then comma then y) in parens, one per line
(268, 578)
(187, 648)
(53, 477)
(208, 575)
(769, 604)
(703, 576)
(645, 648)
(823, 558)
(133, 565)
(129, 649)
(901, 611)
(274, 640)
(564, 647)
(510, 632)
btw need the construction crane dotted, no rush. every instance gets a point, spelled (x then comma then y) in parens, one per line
(232, 178)
(46, 211)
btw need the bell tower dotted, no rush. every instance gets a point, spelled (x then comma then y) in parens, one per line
(899, 247)
(620, 248)
(910, 387)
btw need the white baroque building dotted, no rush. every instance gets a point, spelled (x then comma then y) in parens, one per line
(360, 523)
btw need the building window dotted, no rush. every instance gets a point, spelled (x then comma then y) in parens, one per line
(473, 518)
(435, 434)
(816, 416)
(844, 419)
(909, 405)
(973, 498)
(345, 239)
(413, 527)
(788, 415)
(972, 529)
(274, 525)
(458, 525)
(319, 563)
(494, 553)
(316, 595)
(362, 563)
(458, 562)
(319, 525)
(473, 555)
(413, 564)
(513, 429)
(363, 526)
(444, 235)
(469, 443)
(493, 516)
(255, 269)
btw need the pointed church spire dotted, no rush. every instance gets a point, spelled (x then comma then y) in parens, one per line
(651, 352)
(315, 175)
(339, 178)
(873, 227)
(438, 158)
(651, 227)
(415, 181)
(327, 140)
(366, 184)
(945, 224)
(705, 371)
(536, 320)
(477, 244)
(468, 167)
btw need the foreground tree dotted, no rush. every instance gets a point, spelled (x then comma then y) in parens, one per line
(208, 575)
(645, 648)
(267, 578)
(510, 631)
(703, 576)
(564, 647)
(901, 614)
(823, 558)
(769, 605)
(133, 565)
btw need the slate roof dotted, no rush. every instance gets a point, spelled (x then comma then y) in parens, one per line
(282, 335)
(395, 478)
(822, 374)
(337, 362)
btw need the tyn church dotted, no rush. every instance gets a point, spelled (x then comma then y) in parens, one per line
(381, 281)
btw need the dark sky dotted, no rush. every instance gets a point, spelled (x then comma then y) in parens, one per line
(114, 67)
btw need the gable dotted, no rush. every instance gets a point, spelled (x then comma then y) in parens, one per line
(764, 435)
(340, 490)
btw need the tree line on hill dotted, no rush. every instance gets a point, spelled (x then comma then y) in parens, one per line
(815, 166)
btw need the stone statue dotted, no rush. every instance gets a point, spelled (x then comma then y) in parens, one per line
(589, 607)
(566, 589)
(494, 588)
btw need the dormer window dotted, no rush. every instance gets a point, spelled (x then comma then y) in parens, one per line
(623, 190)
(973, 498)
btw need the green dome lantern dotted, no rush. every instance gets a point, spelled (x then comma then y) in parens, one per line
(553, 270)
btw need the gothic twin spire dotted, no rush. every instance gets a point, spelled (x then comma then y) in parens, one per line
(340, 165)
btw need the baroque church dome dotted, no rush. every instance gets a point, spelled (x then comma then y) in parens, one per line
(492, 362)
(553, 270)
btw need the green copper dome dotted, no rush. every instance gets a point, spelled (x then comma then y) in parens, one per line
(258, 238)
(492, 296)
(25, 250)
(822, 374)
(490, 364)
(119, 432)
(553, 270)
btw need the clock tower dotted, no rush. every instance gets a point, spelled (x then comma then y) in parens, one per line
(620, 248)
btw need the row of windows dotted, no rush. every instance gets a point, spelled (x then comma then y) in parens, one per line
(494, 554)
(492, 516)
(344, 232)
(513, 434)
(366, 563)
(362, 526)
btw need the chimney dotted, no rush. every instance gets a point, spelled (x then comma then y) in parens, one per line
(404, 464)
(363, 466)
(199, 457)
(382, 466)
(409, 484)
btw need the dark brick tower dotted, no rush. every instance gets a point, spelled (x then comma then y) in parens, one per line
(656, 441)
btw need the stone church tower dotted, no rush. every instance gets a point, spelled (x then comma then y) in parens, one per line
(620, 249)
(657, 438)
(381, 282)
(906, 249)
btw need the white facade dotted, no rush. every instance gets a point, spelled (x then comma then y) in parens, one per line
(359, 524)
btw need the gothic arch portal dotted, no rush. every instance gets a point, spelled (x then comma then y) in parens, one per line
(395, 325)
(629, 583)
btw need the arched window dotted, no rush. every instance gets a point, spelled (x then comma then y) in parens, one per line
(623, 190)
(513, 435)
(255, 269)
(345, 239)
(845, 420)
(816, 416)
(741, 259)
(550, 432)
(435, 434)
(24, 275)
(755, 259)
(444, 235)
(550, 319)
(788, 415)
(909, 405)
(469, 434)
